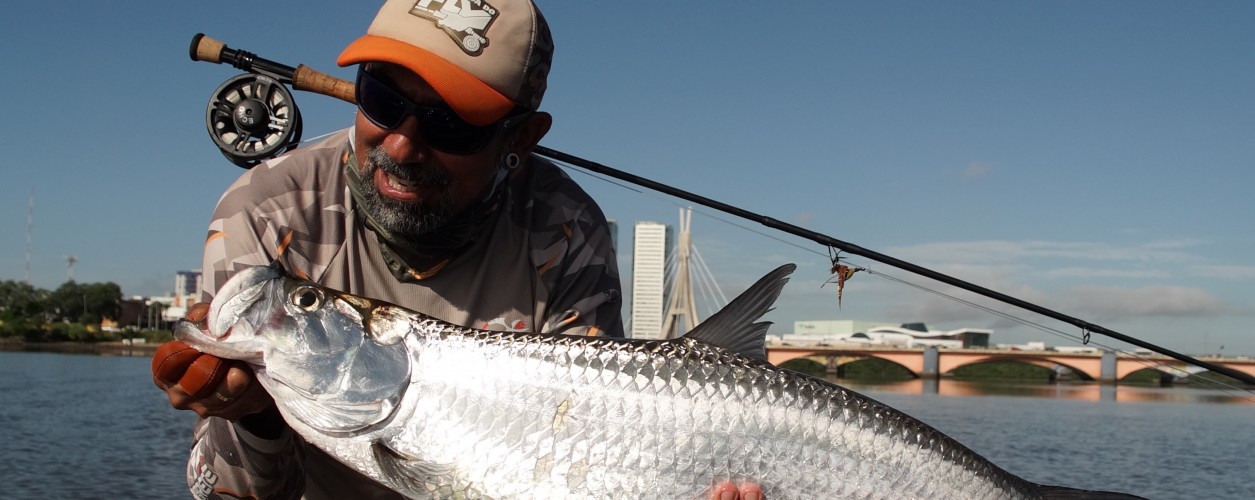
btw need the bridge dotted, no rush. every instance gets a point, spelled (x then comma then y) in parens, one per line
(933, 362)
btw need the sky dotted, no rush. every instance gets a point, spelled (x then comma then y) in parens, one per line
(1092, 157)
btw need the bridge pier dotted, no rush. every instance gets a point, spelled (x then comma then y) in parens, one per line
(1107, 368)
(932, 364)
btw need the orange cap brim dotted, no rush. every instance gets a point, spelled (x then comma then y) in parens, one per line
(473, 100)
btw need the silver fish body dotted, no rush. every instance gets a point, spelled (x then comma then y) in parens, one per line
(435, 410)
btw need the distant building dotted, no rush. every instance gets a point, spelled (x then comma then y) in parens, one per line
(833, 326)
(129, 312)
(614, 234)
(187, 286)
(835, 332)
(918, 334)
(649, 263)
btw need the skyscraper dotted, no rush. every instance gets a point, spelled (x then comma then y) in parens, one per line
(649, 264)
(187, 285)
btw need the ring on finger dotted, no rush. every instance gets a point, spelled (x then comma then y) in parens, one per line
(222, 398)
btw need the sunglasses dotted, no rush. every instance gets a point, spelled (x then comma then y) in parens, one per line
(441, 127)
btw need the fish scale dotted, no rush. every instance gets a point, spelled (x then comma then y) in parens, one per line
(434, 410)
(558, 372)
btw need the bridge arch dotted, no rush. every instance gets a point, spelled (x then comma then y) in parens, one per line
(911, 361)
(1162, 376)
(947, 364)
(833, 363)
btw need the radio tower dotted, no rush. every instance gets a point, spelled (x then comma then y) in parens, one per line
(69, 267)
(682, 303)
(30, 223)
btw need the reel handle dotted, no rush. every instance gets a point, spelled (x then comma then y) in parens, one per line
(302, 77)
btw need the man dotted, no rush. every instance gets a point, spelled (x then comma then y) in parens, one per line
(432, 200)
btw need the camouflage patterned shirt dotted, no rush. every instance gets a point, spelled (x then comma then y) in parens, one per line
(543, 262)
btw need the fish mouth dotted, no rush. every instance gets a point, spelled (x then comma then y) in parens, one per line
(235, 298)
(227, 331)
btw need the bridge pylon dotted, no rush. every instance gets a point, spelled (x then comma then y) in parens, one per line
(682, 304)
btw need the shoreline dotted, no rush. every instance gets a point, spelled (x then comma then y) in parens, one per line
(114, 348)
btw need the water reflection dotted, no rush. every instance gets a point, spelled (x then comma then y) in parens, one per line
(1082, 391)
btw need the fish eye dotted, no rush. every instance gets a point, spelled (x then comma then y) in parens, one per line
(307, 298)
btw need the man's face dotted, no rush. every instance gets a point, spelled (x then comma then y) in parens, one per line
(409, 187)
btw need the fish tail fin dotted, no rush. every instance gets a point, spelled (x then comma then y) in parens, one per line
(1064, 493)
(734, 327)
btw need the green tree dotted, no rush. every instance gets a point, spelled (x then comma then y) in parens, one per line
(67, 302)
(85, 303)
(21, 300)
(104, 300)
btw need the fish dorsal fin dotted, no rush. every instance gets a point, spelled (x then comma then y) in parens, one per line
(734, 328)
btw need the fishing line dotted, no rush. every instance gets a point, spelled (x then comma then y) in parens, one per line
(1148, 363)
(319, 138)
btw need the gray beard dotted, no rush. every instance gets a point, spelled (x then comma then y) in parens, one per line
(405, 219)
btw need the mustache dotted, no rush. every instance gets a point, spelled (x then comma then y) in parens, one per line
(426, 175)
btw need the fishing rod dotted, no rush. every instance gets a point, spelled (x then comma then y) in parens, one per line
(232, 118)
(882, 258)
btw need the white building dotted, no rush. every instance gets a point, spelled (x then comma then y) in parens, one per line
(839, 332)
(834, 327)
(649, 264)
(919, 335)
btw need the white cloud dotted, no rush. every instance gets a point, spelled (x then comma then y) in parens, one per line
(977, 170)
(1224, 272)
(1151, 301)
(935, 302)
(1000, 251)
(1155, 285)
(1098, 272)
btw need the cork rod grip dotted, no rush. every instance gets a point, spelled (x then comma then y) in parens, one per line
(311, 80)
(206, 49)
(301, 77)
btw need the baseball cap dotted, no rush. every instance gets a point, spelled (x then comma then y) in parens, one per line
(484, 57)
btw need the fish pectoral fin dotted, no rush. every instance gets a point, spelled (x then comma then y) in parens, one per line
(415, 473)
(734, 328)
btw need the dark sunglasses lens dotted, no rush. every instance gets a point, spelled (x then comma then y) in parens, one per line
(379, 102)
(445, 131)
(442, 128)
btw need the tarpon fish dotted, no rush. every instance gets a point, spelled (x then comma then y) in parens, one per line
(435, 410)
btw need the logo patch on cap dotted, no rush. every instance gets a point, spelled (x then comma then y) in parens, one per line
(465, 21)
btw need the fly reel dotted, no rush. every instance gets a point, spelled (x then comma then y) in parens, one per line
(252, 118)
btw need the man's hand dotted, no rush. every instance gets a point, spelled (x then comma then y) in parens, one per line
(730, 491)
(206, 384)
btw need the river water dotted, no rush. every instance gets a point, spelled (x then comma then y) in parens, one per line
(1161, 443)
(88, 426)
